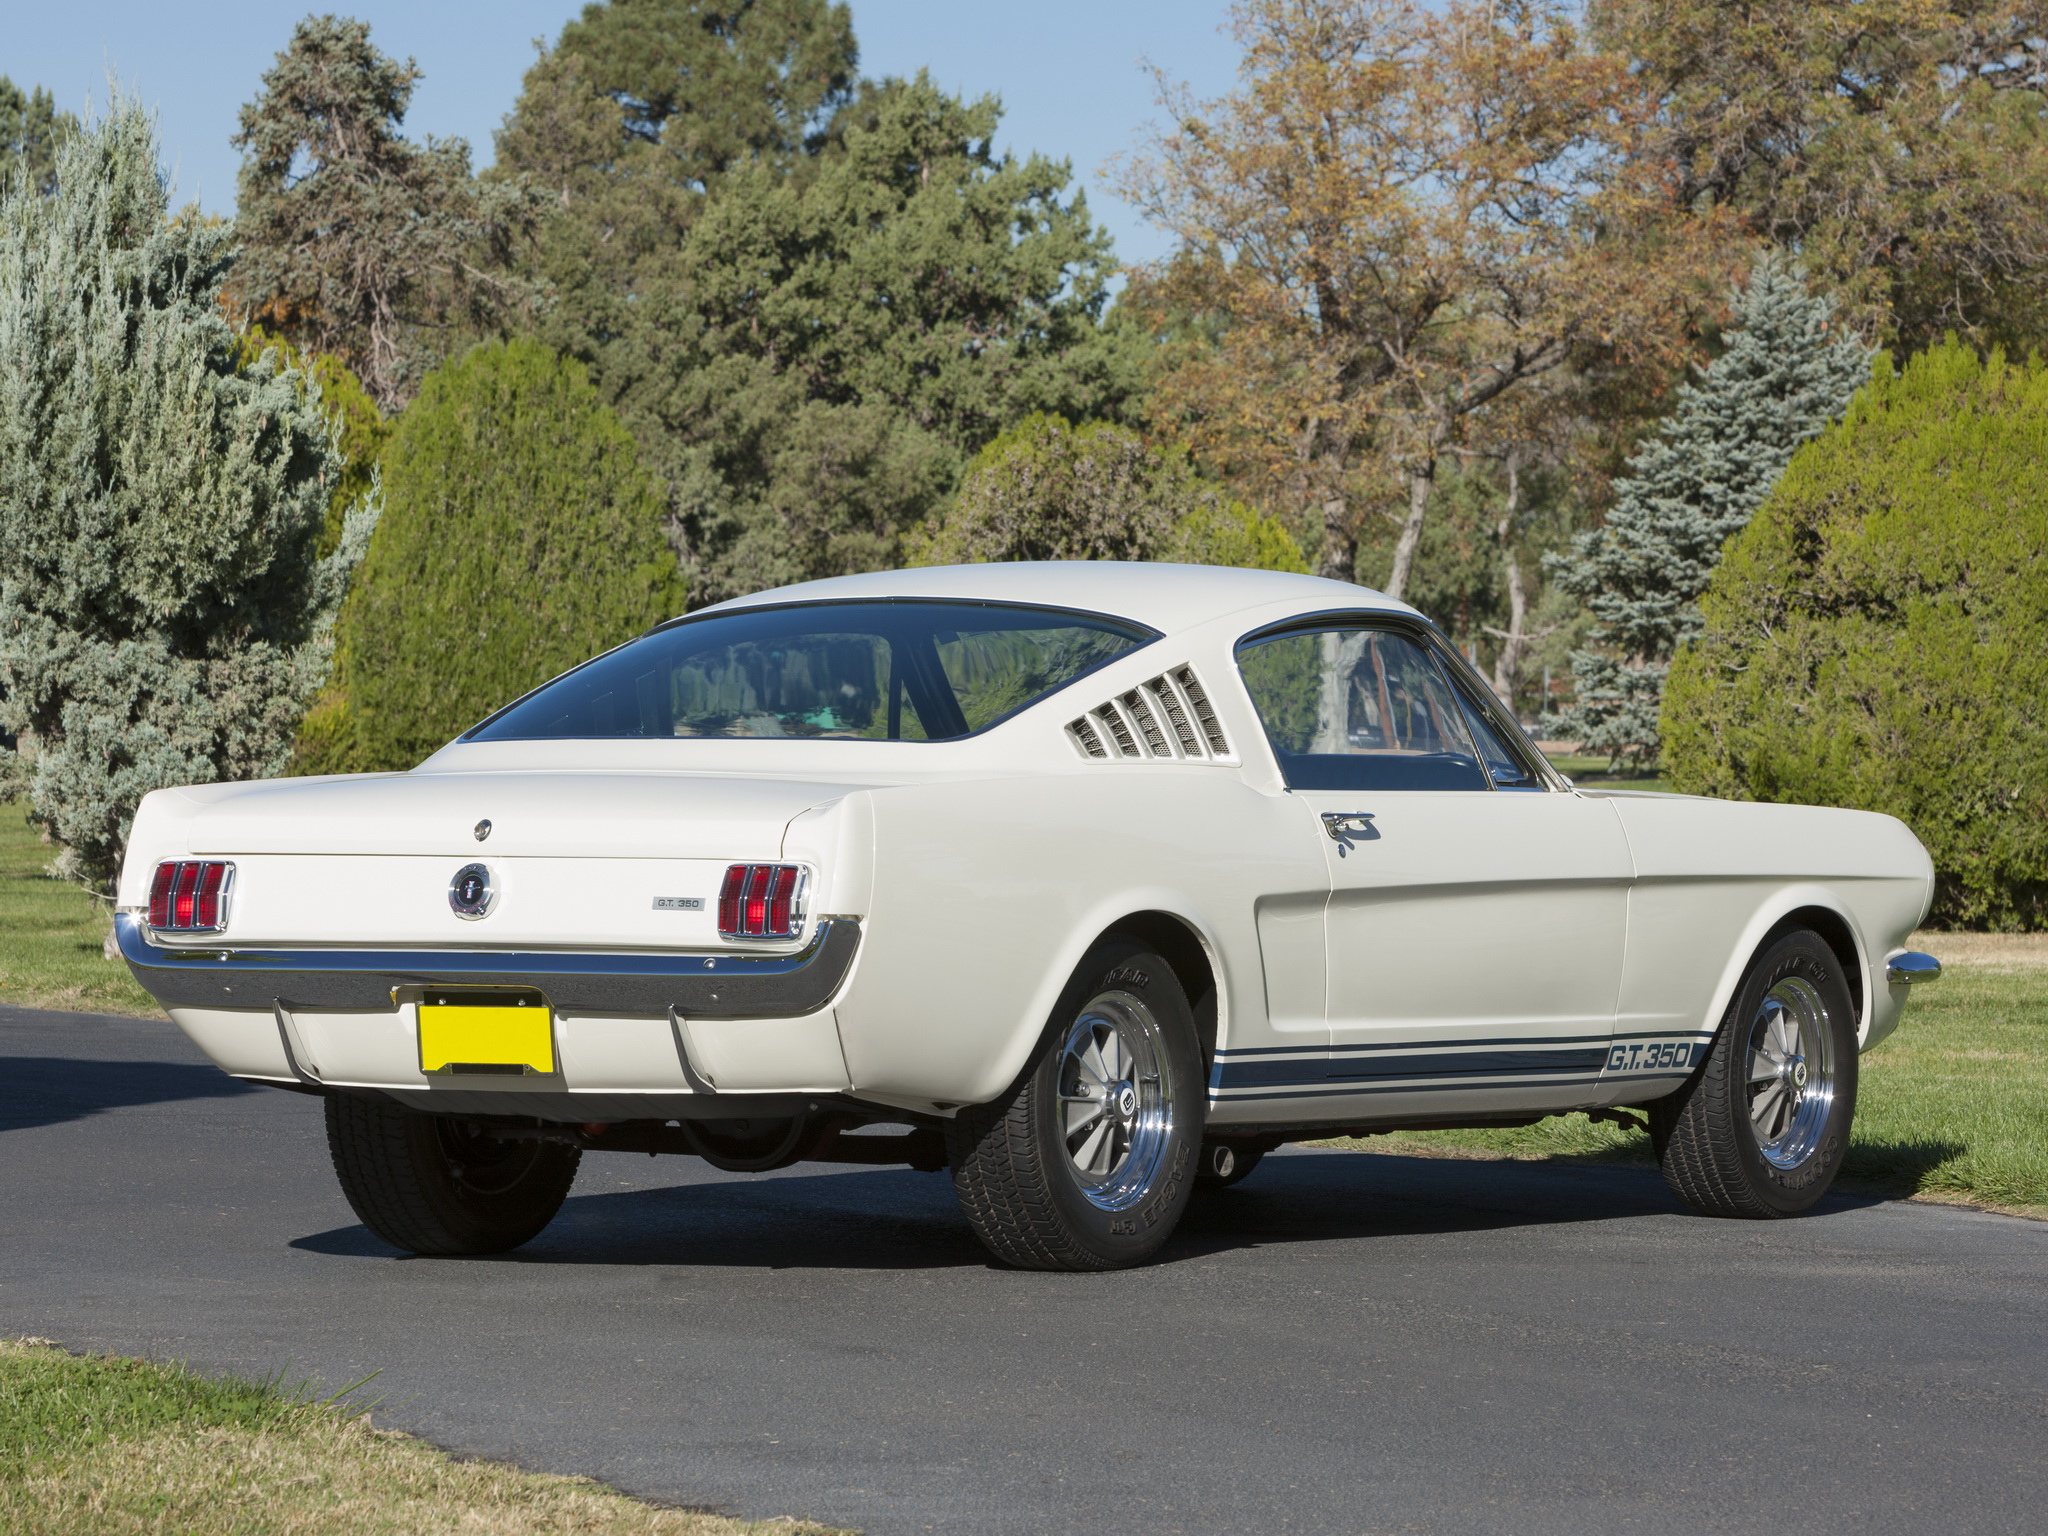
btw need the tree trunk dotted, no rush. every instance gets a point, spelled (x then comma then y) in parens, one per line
(1339, 558)
(1420, 480)
(1341, 652)
(1514, 645)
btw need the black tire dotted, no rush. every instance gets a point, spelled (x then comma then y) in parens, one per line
(424, 1184)
(1713, 1136)
(1242, 1161)
(1020, 1179)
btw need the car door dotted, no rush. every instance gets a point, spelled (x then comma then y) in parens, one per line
(1478, 909)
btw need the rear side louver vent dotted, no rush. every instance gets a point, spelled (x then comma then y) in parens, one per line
(1166, 719)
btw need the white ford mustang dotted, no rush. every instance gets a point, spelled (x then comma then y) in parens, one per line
(1098, 881)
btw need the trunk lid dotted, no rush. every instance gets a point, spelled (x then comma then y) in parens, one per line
(580, 860)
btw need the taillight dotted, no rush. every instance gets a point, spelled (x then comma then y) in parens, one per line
(190, 895)
(761, 901)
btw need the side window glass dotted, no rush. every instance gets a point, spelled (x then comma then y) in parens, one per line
(1506, 766)
(1363, 709)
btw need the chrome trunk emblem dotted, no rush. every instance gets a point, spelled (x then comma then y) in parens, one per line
(483, 829)
(470, 892)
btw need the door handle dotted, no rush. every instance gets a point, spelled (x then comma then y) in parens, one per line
(1344, 825)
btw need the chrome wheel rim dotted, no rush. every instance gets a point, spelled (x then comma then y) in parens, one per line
(1791, 1072)
(1115, 1103)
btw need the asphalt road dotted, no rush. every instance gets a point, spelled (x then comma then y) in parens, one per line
(1347, 1343)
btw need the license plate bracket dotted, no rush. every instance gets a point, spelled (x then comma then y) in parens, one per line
(467, 1032)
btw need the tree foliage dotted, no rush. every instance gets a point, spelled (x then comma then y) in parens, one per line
(355, 242)
(714, 84)
(625, 126)
(1047, 490)
(1405, 215)
(522, 538)
(1899, 146)
(813, 361)
(1788, 370)
(164, 616)
(1878, 636)
(359, 429)
(30, 128)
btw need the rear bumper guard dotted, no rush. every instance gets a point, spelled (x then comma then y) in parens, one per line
(699, 985)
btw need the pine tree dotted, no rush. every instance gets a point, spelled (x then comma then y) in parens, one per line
(1787, 372)
(30, 127)
(164, 613)
(355, 241)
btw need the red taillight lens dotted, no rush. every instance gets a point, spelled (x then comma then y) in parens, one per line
(211, 878)
(761, 901)
(780, 898)
(181, 895)
(160, 895)
(189, 895)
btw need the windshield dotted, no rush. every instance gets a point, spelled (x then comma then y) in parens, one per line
(875, 671)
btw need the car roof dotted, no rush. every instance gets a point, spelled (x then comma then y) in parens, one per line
(1168, 598)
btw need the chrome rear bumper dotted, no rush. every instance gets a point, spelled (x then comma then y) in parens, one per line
(706, 986)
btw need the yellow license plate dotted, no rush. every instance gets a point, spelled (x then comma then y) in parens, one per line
(491, 1034)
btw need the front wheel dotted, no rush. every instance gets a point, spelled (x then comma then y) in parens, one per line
(1761, 1129)
(1088, 1163)
(428, 1184)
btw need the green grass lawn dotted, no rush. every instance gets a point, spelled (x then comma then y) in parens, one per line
(51, 934)
(1592, 772)
(102, 1446)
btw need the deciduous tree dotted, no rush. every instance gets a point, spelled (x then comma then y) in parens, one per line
(1404, 215)
(1899, 147)
(1048, 490)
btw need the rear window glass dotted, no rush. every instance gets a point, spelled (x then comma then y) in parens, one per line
(1360, 709)
(888, 671)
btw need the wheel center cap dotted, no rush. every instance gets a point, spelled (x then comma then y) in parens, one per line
(1126, 1100)
(1798, 1074)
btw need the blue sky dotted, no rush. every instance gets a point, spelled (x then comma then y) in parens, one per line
(1068, 71)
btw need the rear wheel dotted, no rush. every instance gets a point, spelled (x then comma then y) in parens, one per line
(426, 1184)
(1088, 1163)
(1761, 1129)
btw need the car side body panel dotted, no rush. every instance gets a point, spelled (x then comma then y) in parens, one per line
(961, 969)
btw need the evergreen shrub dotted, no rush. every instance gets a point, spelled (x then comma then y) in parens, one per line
(165, 611)
(1878, 636)
(521, 536)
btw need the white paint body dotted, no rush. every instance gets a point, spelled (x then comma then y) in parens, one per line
(1487, 954)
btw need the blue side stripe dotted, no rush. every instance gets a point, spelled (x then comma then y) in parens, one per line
(1356, 1090)
(1410, 1045)
(1450, 1063)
